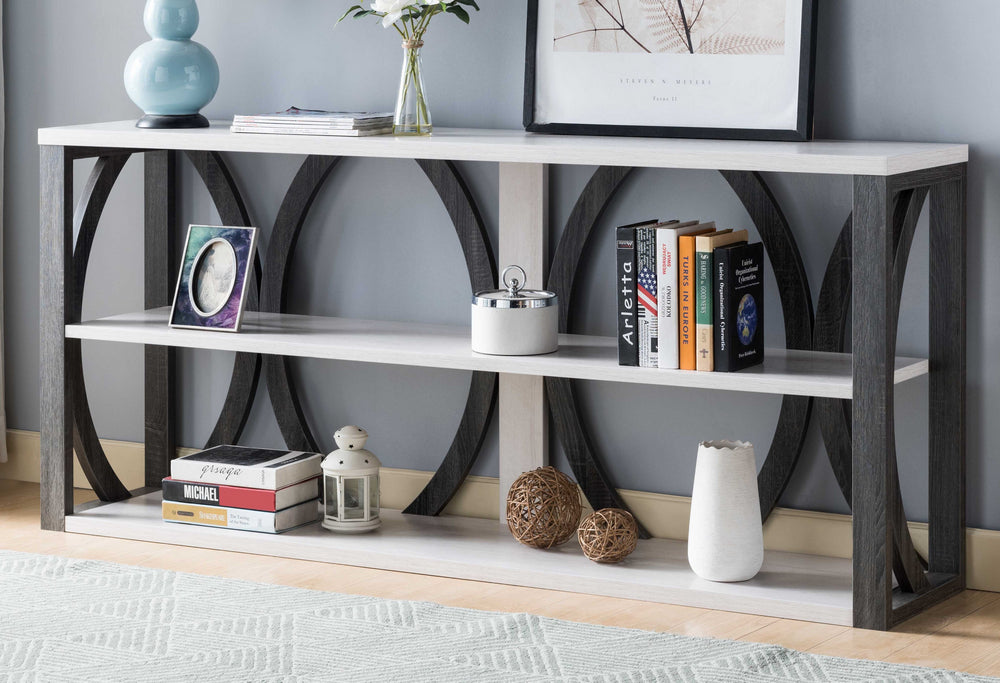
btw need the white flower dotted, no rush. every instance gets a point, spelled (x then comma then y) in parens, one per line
(388, 6)
(436, 2)
(393, 10)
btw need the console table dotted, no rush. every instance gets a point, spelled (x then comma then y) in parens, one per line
(851, 394)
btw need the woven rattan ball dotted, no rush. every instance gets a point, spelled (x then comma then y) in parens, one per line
(543, 508)
(609, 535)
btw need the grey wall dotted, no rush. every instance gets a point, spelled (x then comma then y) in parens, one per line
(379, 245)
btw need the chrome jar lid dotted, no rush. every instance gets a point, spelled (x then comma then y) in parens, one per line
(513, 296)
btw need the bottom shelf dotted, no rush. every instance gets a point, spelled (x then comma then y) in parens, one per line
(807, 587)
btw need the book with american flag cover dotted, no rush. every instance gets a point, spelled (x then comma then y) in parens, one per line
(645, 263)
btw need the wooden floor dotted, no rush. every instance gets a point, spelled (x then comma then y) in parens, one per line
(962, 633)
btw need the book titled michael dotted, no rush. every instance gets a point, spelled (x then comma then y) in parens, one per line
(246, 520)
(739, 309)
(256, 468)
(220, 495)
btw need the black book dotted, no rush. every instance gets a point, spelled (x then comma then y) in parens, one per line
(739, 306)
(628, 339)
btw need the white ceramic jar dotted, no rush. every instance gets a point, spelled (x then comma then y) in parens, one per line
(725, 537)
(515, 321)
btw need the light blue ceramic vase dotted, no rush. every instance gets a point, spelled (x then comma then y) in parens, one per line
(171, 77)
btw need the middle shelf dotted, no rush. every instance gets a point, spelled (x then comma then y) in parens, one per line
(802, 373)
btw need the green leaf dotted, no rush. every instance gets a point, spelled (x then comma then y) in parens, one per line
(363, 13)
(458, 12)
(468, 3)
(348, 12)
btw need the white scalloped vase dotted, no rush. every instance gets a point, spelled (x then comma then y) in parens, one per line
(725, 537)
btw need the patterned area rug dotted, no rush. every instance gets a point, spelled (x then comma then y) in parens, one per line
(81, 620)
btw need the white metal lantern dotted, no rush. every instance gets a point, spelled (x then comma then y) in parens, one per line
(351, 484)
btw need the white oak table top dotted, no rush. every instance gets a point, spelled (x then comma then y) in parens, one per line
(829, 157)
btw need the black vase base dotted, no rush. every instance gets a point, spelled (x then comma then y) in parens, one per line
(184, 121)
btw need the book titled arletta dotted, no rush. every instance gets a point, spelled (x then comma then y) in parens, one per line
(265, 500)
(244, 520)
(628, 333)
(257, 468)
(739, 306)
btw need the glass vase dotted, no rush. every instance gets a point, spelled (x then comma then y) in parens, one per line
(413, 114)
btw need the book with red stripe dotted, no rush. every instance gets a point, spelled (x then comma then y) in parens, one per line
(265, 500)
(645, 261)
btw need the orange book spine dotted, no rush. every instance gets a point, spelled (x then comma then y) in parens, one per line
(685, 319)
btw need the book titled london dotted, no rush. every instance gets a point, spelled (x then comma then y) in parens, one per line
(256, 468)
(739, 310)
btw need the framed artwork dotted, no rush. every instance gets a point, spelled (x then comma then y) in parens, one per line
(211, 286)
(739, 69)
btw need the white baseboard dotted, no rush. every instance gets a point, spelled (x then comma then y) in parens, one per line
(797, 531)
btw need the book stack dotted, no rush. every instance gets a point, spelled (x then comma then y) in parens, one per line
(690, 297)
(295, 121)
(251, 489)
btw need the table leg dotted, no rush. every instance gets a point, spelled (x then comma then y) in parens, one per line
(161, 219)
(57, 284)
(524, 435)
(873, 346)
(948, 376)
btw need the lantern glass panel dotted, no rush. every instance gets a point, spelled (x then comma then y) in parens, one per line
(330, 497)
(373, 492)
(354, 498)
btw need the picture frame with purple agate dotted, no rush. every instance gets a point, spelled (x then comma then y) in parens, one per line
(212, 283)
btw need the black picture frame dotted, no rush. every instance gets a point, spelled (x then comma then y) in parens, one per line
(804, 120)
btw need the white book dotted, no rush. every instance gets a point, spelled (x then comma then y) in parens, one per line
(287, 130)
(312, 124)
(244, 520)
(295, 114)
(256, 468)
(667, 298)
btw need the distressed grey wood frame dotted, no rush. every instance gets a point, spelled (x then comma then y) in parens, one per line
(876, 503)
(867, 268)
